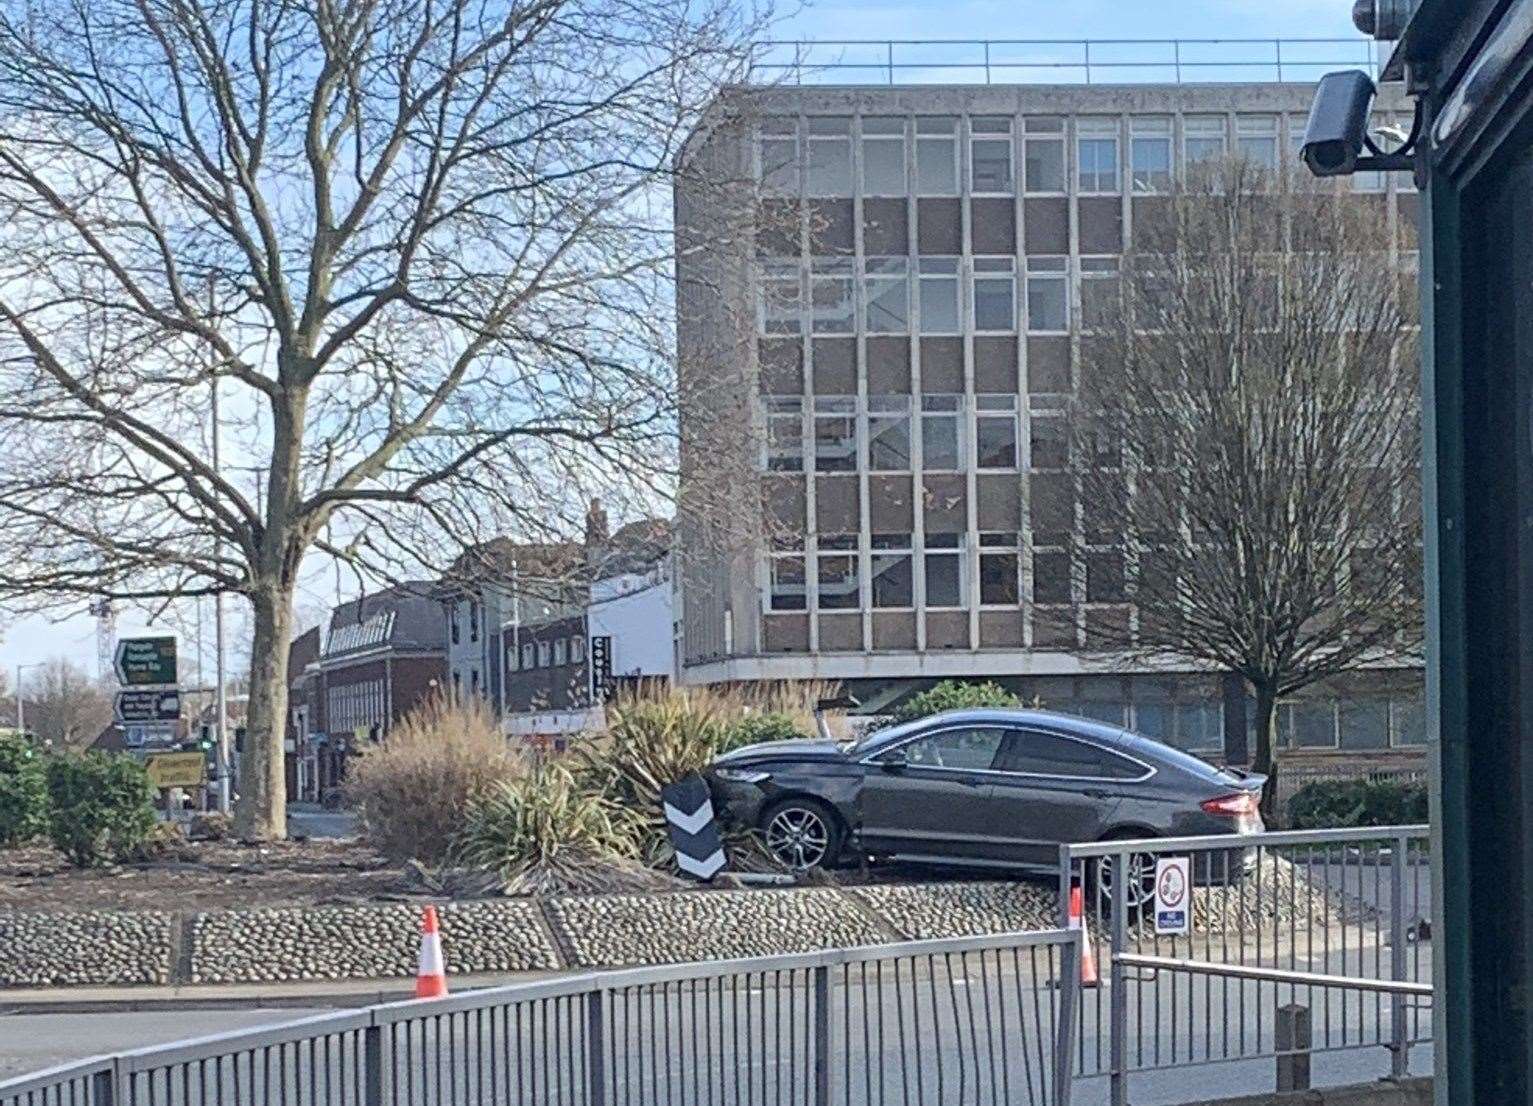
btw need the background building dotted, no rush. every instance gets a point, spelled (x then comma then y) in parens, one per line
(879, 311)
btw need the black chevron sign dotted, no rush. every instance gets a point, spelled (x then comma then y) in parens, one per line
(694, 832)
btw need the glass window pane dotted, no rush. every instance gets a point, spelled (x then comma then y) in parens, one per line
(838, 583)
(1150, 153)
(892, 580)
(971, 749)
(1045, 164)
(999, 585)
(991, 164)
(889, 433)
(835, 434)
(996, 441)
(1314, 723)
(1042, 754)
(883, 157)
(1364, 724)
(1410, 721)
(1204, 138)
(944, 579)
(939, 441)
(830, 157)
(887, 290)
(1047, 302)
(830, 292)
(937, 156)
(939, 302)
(1097, 156)
(789, 591)
(778, 150)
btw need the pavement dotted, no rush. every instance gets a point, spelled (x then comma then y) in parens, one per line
(312, 820)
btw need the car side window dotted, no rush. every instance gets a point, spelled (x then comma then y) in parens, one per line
(1045, 754)
(971, 748)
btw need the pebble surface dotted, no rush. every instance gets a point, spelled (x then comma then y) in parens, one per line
(94, 948)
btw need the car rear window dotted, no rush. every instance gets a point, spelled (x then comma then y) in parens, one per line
(1045, 754)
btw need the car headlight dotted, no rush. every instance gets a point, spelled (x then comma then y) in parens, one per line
(741, 775)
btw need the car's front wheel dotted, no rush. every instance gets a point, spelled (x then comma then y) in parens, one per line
(802, 834)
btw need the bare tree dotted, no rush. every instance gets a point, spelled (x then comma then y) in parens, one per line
(65, 705)
(419, 247)
(1246, 436)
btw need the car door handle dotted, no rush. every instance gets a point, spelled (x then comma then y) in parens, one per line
(1096, 793)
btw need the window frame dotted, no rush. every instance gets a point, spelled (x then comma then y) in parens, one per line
(997, 130)
(944, 271)
(1159, 129)
(791, 132)
(998, 270)
(781, 410)
(1002, 406)
(881, 545)
(1052, 270)
(992, 544)
(828, 408)
(887, 409)
(929, 138)
(957, 413)
(886, 274)
(820, 133)
(1044, 131)
(956, 552)
(886, 138)
(1098, 130)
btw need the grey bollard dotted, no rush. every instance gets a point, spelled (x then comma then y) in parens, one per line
(1293, 1042)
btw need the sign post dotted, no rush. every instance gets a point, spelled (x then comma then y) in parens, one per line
(148, 705)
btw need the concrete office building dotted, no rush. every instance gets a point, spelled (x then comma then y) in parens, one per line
(879, 316)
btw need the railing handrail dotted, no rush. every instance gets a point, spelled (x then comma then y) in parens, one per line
(388, 1013)
(1086, 849)
(797, 55)
(1273, 975)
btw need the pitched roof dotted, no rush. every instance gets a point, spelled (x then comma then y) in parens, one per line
(404, 616)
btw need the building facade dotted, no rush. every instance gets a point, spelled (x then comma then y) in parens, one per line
(879, 317)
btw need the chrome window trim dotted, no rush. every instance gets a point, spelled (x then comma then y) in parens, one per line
(1150, 771)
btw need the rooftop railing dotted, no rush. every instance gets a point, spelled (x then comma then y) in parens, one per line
(1058, 61)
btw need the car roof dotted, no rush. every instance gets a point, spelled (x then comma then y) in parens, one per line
(1008, 716)
(1126, 740)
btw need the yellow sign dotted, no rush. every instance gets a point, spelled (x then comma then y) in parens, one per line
(176, 769)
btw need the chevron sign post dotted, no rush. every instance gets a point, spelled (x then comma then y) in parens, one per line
(694, 833)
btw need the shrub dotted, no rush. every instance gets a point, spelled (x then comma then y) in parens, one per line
(1357, 803)
(23, 792)
(954, 695)
(755, 729)
(411, 792)
(101, 807)
(543, 833)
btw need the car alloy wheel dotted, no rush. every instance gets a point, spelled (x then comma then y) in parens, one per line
(798, 837)
(1139, 892)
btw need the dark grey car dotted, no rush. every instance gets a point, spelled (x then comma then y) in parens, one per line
(986, 788)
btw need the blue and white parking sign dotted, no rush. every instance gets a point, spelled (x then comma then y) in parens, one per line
(1173, 895)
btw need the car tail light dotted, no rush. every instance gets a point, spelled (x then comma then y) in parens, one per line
(1242, 804)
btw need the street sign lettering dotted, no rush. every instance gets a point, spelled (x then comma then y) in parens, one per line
(148, 706)
(144, 661)
(176, 769)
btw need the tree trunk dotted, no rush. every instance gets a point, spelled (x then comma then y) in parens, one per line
(1265, 761)
(261, 814)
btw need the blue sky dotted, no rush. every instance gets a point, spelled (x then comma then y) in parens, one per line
(1014, 19)
(34, 639)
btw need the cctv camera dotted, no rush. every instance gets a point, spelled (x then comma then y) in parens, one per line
(1338, 121)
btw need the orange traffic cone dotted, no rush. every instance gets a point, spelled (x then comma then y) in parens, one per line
(431, 979)
(1088, 956)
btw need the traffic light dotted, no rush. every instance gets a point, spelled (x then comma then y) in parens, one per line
(205, 741)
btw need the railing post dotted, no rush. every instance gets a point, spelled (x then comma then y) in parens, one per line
(372, 1066)
(1064, 1025)
(890, 54)
(1066, 866)
(1118, 1047)
(1292, 1037)
(1399, 1038)
(822, 1042)
(596, 1046)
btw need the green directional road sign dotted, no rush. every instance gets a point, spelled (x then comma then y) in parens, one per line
(141, 661)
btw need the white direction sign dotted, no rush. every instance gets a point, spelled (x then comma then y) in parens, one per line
(147, 705)
(1173, 894)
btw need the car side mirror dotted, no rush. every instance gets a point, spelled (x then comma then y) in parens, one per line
(894, 761)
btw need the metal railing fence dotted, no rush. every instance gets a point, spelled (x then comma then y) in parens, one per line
(971, 1021)
(1334, 921)
(1056, 61)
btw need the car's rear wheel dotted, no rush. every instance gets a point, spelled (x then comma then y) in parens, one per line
(802, 834)
(1139, 889)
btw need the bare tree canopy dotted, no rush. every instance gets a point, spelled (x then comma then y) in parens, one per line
(1246, 437)
(419, 246)
(65, 705)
